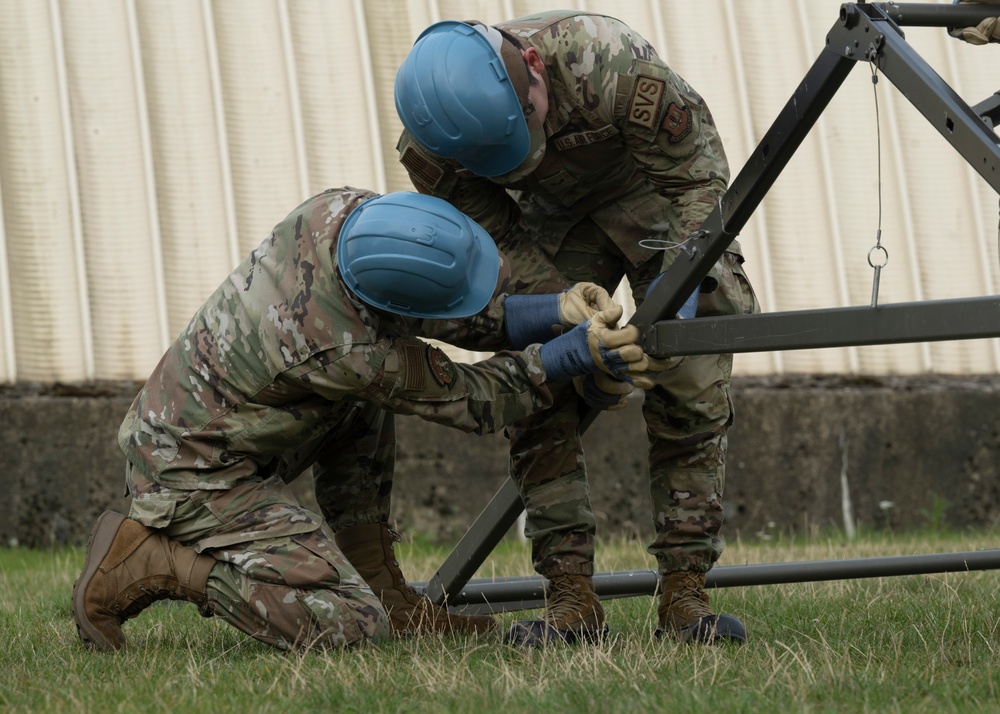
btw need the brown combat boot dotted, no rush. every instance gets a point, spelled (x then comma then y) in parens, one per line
(573, 613)
(128, 567)
(684, 612)
(371, 550)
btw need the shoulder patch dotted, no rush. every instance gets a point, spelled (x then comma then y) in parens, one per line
(421, 168)
(442, 368)
(677, 122)
(647, 96)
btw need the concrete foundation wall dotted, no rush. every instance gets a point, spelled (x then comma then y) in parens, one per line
(907, 452)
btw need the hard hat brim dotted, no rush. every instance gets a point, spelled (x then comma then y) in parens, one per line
(441, 279)
(462, 99)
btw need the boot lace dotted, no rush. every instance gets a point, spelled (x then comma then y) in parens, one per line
(568, 601)
(689, 598)
(408, 591)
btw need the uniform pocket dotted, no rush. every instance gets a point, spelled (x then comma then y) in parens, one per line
(734, 296)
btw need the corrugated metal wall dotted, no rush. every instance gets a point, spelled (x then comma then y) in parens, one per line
(147, 145)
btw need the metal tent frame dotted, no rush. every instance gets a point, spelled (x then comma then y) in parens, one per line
(863, 32)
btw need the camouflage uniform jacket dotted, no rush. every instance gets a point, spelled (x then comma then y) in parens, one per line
(281, 352)
(629, 144)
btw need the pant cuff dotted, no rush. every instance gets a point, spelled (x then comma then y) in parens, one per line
(569, 569)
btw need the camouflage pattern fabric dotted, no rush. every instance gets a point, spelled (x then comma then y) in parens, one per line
(292, 591)
(281, 369)
(632, 155)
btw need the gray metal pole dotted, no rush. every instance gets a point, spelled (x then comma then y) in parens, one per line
(926, 14)
(926, 321)
(528, 592)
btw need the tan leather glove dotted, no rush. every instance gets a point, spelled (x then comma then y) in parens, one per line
(598, 346)
(616, 352)
(986, 31)
(580, 302)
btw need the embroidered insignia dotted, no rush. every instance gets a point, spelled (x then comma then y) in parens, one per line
(442, 368)
(583, 138)
(677, 123)
(647, 95)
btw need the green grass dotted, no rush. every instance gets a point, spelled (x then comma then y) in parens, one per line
(898, 644)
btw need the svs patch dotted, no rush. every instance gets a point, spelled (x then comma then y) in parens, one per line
(647, 95)
(443, 369)
(677, 123)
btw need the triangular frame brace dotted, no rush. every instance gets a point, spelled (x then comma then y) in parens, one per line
(863, 32)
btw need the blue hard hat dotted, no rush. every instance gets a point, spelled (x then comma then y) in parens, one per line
(456, 96)
(417, 255)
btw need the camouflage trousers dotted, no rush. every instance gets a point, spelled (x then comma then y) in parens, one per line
(352, 467)
(687, 415)
(280, 577)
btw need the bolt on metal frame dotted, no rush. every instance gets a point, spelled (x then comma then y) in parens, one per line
(863, 32)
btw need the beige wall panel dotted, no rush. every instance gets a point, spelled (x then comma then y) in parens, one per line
(197, 233)
(520, 8)
(976, 78)
(122, 274)
(392, 29)
(335, 94)
(259, 121)
(947, 250)
(714, 70)
(973, 72)
(148, 145)
(850, 138)
(489, 11)
(801, 258)
(47, 316)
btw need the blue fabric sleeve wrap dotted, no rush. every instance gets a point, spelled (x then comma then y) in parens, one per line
(567, 355)
(529, 319)
(690, 307)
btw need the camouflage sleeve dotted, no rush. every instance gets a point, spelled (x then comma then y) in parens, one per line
(663, 122)
(485, 202)
(420, 379)
(672, 137)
